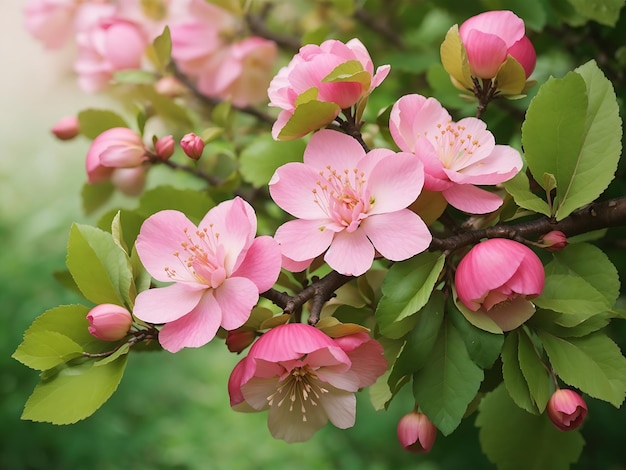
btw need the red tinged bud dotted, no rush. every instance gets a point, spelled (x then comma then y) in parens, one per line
(416, 433)
(567, 409)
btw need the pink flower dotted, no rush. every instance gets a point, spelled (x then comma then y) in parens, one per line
(192, 145)
(50, 21)
(349, 203)
(497, 277)
(416, 433)
(240, 73)
(305, 378)
(111, 45)
(566, 409)
(118, 147)
(456, 156)
(130, 181)
(554, 240)
(309, 74)
(109, 322)
(489, 38)
(218, 268)
(66, 128)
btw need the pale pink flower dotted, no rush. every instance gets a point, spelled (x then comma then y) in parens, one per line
(416, 433)
(308, 69)
(456, 156)
(66, 128)
(350, 203)
(240, 73)
(118, 147)
(50, 21)
(497, 277)
(109, 322)
(490, 37)
(218, 269)
(305, 378)
(111, 45)
(566, 409)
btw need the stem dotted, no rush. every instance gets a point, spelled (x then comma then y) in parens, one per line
(195, 171)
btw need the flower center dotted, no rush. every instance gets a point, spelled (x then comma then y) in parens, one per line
(202, 256)
(455, 145)
(343, 196)
(300, 388)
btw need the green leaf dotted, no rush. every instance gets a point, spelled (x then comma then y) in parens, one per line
(515, 440)
(160, 51)
(123, 349)
(308, 117)
(534, 370)
(514, 379)
(350, 71)
(519, 188)
(482, 346)
(193, 203)
(98, 265)
(580, 280)
(593, 364)
(448, 382)
(95, 196)
(164, 106)
(260, 159)
(603, 11)
(477, 318)
(93, 122)
(134, 77)
(420, 341)
(407, 288)
(74, 393)
(43, 350)
(573, 131)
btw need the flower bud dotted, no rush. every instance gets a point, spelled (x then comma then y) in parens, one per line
(164, 147)
(416, 433)
(554, 240)
(566, 409)
(192, 145)
(109, 322)
(239, 339)
(66, 128)
(170, 87)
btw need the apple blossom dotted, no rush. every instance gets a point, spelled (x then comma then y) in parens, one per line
(308, 79)
(456, 156)
(218, 269)
(192, 145)
(349, 202)
(566, 409)
(109, 322)
(118, 147)
(416, 433)
(66, 128)
(497, 277)
(50, 21)
(554, 240)
(305, 378)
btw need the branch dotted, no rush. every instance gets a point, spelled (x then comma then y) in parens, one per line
(210, 179)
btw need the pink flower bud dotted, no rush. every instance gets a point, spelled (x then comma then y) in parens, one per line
(66, 128)
(118, 147)
(416, 433)
(497, 277)
(109, 322)
(192, 145)
(130, 181)
(238, 340)
(566, 409)
(164, 147)
(554, 240)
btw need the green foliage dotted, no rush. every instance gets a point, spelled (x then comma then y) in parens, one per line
(93, 122)
(602, 11)
(160, 51)
(516, 440)
(260, 159)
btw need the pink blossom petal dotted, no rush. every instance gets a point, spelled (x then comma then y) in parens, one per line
(350, 254)
(262, 263)
(340, 378)
(303, 240)
(292, 187)
(160, 240)
(328, 147)
(500, 165)
(235, 382)
(368, 362)
(510, 314)
(485, 53)
(165, 304)
(414, 116)
(195, 329)
(502, 23)
(256, 390)
(340, 407)
(122, 156)
(380, 75)
(295, 266)
(236, 297)
(281, 122)
(471, 199)
(397, 235)
(395, 182)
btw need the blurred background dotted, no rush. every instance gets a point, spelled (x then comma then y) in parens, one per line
(169, 412)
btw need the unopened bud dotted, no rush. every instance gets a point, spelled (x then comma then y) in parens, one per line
(169, 86)
(554, 241)
(66, 129)
(164, 147)
(416, 433)
(238, 340)
(109, 322)
(192, 145)
(566, 409)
